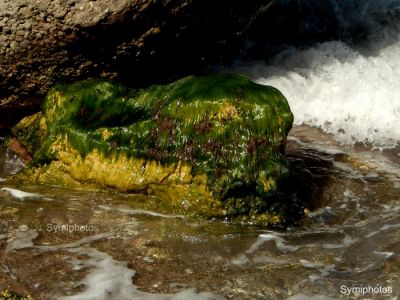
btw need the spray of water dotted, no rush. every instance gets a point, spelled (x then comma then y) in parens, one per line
(351, 92)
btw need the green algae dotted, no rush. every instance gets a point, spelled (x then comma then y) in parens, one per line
(6, 294)
(227, 132)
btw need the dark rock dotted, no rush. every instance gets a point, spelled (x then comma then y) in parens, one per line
(7, 30)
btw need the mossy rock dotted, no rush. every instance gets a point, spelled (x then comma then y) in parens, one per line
(208, 146)
(6, 294)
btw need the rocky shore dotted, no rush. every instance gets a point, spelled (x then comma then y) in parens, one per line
(138, 42)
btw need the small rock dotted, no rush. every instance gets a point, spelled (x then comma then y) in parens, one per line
(60, 14)
(14, 45)
(43, 6)
(24, 44)
(20, 33)
(28, 25)
(46, 26)
(23, 11)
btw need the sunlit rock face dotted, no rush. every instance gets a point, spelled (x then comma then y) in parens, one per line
(209, 146)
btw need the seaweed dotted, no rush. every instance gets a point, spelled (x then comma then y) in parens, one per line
(223, 128)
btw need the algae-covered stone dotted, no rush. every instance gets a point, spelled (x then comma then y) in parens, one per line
(6, 294)
(211, 145)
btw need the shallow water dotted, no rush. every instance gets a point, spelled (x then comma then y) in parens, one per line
(65, 244)
(112, 246)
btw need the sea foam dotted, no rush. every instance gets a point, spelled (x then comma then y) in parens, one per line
(352, 95)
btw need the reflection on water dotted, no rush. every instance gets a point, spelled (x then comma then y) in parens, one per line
(103, 245)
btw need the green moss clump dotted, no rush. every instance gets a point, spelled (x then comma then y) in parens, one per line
(222, 132)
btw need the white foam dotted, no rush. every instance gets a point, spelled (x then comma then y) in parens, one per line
(21, 240)
(240, 260)
(112, 279)
(107, 278)
(346, 242)
(19, 194)
(385, 254)
(310, 265)
(389, 226)
(131, 211)
(279, 242)
(334, 87)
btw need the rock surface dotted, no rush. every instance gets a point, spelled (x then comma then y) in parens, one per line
(134, 41)
(211, 146)
(142, 42)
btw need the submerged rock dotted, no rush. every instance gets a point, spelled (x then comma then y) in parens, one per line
(209, 146)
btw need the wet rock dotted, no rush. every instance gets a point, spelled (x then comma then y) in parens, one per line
(208, 146)
(6, 294)
(14, 45)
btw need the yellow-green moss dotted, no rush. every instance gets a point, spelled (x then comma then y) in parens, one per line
(6, 294)
(216, 142)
